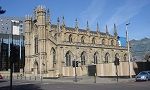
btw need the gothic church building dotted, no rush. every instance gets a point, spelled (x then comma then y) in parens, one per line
(57, 50)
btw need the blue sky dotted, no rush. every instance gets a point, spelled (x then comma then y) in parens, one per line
(105, 12)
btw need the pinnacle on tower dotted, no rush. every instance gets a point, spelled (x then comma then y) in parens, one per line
(87, 27)
(63, 21)
(107, 30)
(28, 17)
(76, 23)
(41, 8)
(48, 15)
(58, 24)
(115, 30)
(97, 29)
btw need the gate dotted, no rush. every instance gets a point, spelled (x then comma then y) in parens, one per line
(91, 70)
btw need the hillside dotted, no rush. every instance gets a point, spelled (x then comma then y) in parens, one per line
(139, 48)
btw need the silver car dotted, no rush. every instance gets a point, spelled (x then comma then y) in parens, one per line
(143, 76)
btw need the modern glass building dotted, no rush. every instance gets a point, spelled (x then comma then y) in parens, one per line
(11, 43)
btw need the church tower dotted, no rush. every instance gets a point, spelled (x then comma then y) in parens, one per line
(28, 23)
(41, 23)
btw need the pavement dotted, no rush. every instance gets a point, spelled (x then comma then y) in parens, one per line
(80, 80)
(91, 80)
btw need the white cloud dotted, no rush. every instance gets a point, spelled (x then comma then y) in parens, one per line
(126, 11)
(92, 13)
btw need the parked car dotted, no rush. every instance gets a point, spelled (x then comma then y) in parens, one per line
(143, 76)
(1, 77)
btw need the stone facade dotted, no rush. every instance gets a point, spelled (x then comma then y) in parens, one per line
(52, 50)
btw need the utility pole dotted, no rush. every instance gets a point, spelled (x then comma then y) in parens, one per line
(128, 46)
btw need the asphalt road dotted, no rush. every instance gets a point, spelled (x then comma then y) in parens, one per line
(36, 85)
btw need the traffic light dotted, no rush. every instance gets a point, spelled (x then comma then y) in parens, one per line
(75, 63)
(116, 62)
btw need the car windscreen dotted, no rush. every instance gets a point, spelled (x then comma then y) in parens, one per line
(143, 73)
(148, 72)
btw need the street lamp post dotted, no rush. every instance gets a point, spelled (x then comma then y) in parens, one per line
(75, 72)
(11, 55)
(128, 46)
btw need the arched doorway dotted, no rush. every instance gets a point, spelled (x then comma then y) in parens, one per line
(35, 67)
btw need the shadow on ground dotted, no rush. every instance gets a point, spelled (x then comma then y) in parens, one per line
(22, 87)
(2, 81)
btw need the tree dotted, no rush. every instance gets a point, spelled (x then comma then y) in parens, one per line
(2, 11)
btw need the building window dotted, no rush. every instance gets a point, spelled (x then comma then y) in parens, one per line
(95, 58)
(35, 67)
(103, 41)
(125, 57)
(93, 40)
(70, 38)
(112, 42)
(36, 45)
(53, 53)
(83, 58)
(106, 57)
(82, 39)
(68, 58)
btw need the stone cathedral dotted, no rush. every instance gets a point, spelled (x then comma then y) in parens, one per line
(58, 50)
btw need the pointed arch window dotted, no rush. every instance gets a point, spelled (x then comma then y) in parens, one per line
(95, 58)
(68, 58)
(103, 41)
(53, 56)
(112, 42)
(70, 38)
(93, 40)
(82, 39)
(35, 67)
(83, 58)
(35, 64)
(36, 45)
(125, 57)
(106, 57)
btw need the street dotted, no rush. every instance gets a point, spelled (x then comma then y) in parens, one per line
(37, 85)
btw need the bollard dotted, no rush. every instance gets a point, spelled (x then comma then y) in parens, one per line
(95, 78)
(30, 77)
(17, 76)
(35, 77)
(21, 76)
(41, 78)
(25, 77)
